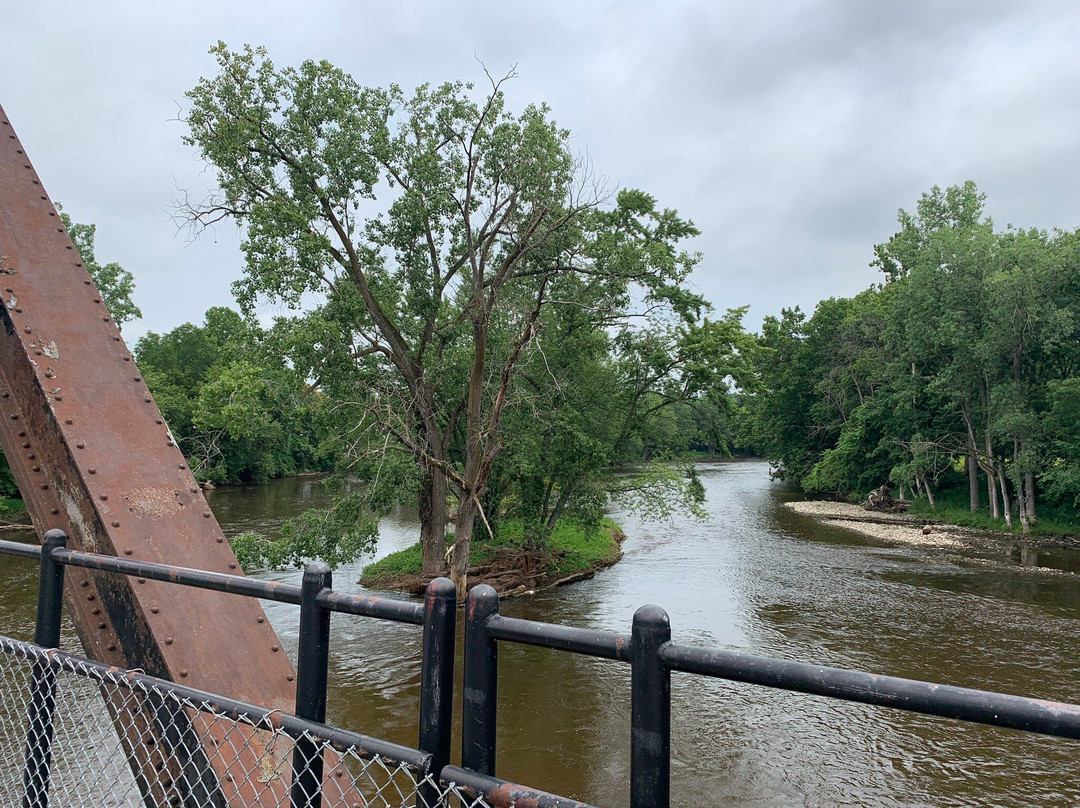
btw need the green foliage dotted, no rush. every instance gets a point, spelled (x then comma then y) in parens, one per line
(968, 353)
(336, 535)
(115, 283)
(240, 411)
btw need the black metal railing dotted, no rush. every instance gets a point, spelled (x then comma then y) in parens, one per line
(437, 615)
(653, 657)
(648, 650)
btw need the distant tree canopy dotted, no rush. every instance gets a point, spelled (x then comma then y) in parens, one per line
(968, 354)
(238, 411)
(473, 301)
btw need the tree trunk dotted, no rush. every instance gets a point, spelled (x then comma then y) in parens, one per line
(463, 530)
(1029, 483)
(929, 494)
(972, 463)
(991, 489)
(900, 485)
(1021, 492)
(433, 521)
(1004, 495)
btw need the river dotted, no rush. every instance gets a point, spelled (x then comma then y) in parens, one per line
(752, 576)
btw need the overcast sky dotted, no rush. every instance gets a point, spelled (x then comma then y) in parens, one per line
(790, 132)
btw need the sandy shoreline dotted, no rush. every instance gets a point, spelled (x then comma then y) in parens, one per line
(899, 528)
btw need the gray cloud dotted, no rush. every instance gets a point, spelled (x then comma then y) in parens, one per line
(790, 132)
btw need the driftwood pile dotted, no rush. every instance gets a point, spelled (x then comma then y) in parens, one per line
(881, 500)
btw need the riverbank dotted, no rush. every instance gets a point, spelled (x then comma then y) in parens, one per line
(901, 528)
(572, 554)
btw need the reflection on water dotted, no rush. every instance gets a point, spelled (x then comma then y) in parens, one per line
(752, 576)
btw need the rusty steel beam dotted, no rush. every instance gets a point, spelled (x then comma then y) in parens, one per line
(93, 456)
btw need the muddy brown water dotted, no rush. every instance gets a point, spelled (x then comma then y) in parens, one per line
(753, 576)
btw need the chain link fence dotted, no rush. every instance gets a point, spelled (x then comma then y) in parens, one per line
(77, 733)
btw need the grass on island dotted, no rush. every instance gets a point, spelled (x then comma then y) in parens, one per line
(573, 549)
(953, 508)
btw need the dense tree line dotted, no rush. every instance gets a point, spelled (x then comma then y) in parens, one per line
(966, 358)
(237, 408)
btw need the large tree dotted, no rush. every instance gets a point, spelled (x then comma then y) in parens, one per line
(433, 229)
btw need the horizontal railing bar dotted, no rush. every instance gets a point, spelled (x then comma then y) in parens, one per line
(502, 794)
(591, 642)
(185, 576)
(965, 704)
(295, 727)
(15, 548)
(400, 611)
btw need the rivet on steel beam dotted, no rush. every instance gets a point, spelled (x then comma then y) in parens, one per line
(168, 640)
(127, 551)
(220, 540)
(140, 580)
(7, 395)
(158, 421)
(138, 378)
(28, 329)
(44, 486)
(22, 434)
(77, 263)
(37, 353)
(106, 319)
(91, 596)
(232, 565)
(80, 445)
(92, 470)
(147, 399)
(115, 523)
(206, 514)
(169, 443)
(68, 421)
(274, 648)
(116, 339)
(26, 445)
(101, 625)
(103, 496)
(260, 619)
(155, 609)
(18, 311)
(37, 468)
(97, 299)
(14, 417)
(181, 465)
(55, 511)
(58, 398)
(289, 678)
(30, 456)
(127, 358)
(84, 584)
(112, 646)
(194, 489)
(95, 611)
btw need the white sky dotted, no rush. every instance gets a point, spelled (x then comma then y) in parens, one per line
(790, 132)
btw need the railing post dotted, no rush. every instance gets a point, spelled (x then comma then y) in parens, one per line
(437, 680)
(39, 732)
(481, 686)
(650, 711)
(312, 664)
